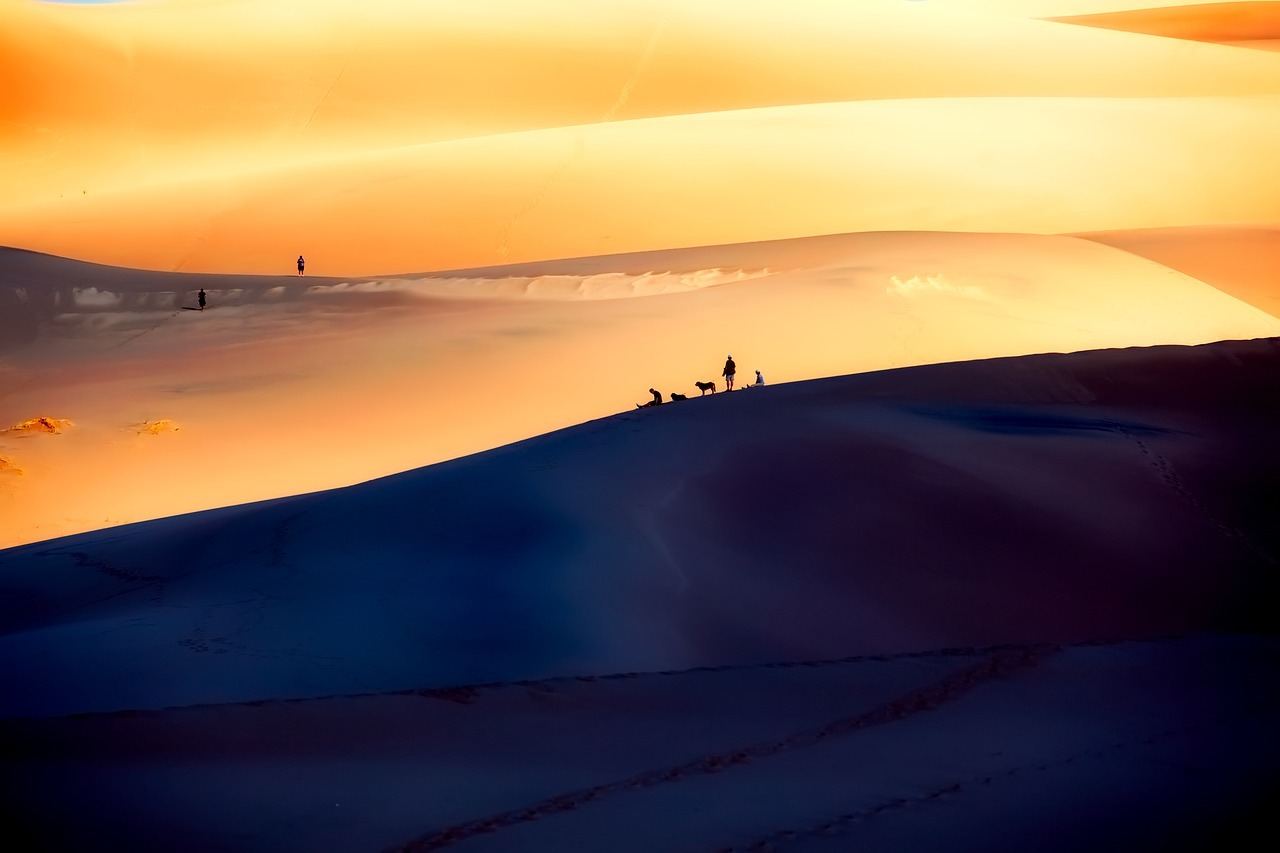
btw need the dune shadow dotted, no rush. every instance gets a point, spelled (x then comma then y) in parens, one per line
(1018, 421)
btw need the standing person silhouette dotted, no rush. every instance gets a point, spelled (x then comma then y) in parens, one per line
(200, 298)
(729, 370)
(302, 264)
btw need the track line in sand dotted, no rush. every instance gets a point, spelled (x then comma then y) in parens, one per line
(470, 693)
(842, 823)
(148, 330)
(1168, 474)
(994, 666)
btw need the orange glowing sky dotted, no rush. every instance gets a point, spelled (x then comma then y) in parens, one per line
(951, 140)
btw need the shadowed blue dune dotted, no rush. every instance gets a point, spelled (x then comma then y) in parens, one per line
(1015, 420)
(1044, 498)
(915, 609)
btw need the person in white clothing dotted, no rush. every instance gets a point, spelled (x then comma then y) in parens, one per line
(759, 383)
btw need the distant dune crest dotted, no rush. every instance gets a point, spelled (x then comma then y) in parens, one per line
(570, 287)
(1227, 23)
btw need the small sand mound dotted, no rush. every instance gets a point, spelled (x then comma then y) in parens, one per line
(156, 427)
(43, 424)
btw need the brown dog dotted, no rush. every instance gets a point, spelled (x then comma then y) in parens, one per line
(704, 387)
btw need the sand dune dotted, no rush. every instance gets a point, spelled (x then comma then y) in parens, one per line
(1232, 23)
(891, 753)
(1047, 498)
(481, 137)
(1244, 262)
(291, 385)
(1258, 44)
(1059, 8)
(479, 639)
(924, 590)
(331, 73)
(999, 165)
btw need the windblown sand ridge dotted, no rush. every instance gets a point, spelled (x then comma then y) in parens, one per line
(1242, 261)
(1229, 23)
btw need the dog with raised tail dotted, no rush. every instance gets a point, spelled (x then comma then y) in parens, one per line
(704, 387)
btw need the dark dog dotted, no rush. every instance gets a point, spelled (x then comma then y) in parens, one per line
(704, 387)
(675, 398)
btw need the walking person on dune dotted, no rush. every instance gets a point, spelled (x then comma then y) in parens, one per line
(729, 370)
(200, 298)
(302, 264)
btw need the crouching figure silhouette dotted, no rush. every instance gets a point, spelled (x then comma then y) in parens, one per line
(656, 401)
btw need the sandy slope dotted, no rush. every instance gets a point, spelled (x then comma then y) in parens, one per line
(396, 73)
(413, 136)
(290, 385)
(330, 649)
(1046, 498)
(1150, 746)
(1258, 44)
(1244, 262)
(1059, 8)
(1231, 23)
(1001, 164)
(767, 536)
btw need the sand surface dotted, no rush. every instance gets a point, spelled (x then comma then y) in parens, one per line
(1045, 498)
(1227, 23)
(917, 603)
(1244, 262)
(286, 385)
(389, 143)
(1004, 164)
(402, 136)
(1157, 746)
(953, 596)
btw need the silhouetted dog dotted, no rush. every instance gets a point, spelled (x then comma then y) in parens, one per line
(677, 397)
(704, 387)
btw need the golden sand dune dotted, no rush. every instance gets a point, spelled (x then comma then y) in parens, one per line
(1233, 23)
(114, 95)
(1244, 262)
(1053, 8)
(416, 137)
(1258, 44)
(1047, 165)
(288, 385)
